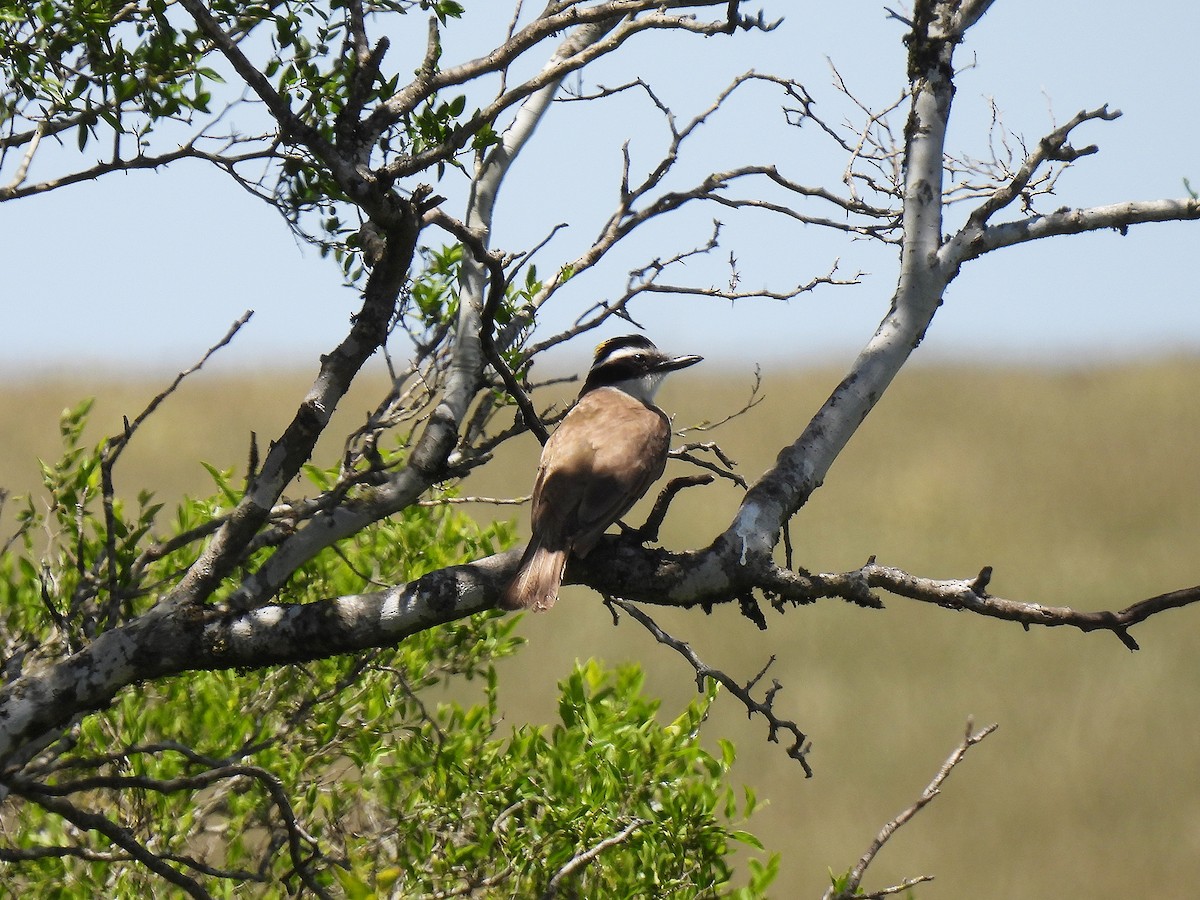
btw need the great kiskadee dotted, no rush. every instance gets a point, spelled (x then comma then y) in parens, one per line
(601, 459)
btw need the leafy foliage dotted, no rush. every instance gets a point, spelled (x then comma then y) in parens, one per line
(360, 775)
(84, 65)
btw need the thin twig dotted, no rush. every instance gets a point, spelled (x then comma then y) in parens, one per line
(753, 401)
(800, 745)
(121, 837)
(849, 886)
(497, 282)
(492, 501)
(968, 594)
(725, 469)
(588, 855)
(650, 528)
(115, 446)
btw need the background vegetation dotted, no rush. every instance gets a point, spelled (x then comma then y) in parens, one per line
(1078, 485)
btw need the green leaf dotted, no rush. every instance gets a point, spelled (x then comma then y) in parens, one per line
(745, 837)
(353, 887)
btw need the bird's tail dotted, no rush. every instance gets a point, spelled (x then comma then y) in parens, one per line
(535, 586)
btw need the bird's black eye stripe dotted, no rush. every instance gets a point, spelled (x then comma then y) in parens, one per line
(615, 371)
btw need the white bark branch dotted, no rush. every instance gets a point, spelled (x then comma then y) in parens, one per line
(169, 641)
(972, 241)
(801, 468)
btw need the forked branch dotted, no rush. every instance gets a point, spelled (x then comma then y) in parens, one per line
(1052, 148)
(799, 747)
(847, 886)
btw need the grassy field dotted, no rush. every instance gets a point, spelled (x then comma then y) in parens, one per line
(1080, 487)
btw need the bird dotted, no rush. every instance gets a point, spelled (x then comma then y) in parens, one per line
(603, 457)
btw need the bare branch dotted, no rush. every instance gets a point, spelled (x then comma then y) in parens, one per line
(976, 179)
(617, 20)
(113, 449)
(637, 205)
(848, 887)
(18, 178)
(633, 16)
(754, 399)
(969, 12)
(1053, 147)
(970, 243)
(724, 470)
(766, 707)
(969, 595)
(649, 529)
(489, 501)
(722, 293)
(16, 189)
(872, 142)
(117, 444)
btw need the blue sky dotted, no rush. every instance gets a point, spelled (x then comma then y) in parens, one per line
(147, 270)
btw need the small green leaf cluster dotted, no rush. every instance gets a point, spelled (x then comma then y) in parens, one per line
(432, 302)
(518, 295)
(433, 296)
(81, 564)
(444, 9)
(434, 125)
(840, 886)
(317, 71)
(74, 64)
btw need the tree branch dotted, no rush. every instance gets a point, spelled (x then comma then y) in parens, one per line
(550, 23)
(800, 468)
(621, 19)
(293, 128)
(971, 243)
(971, 595)
(120, 837)
(115, 446)
(800, 745)
(1052, 147)
(288, 454)
(637, 205)
(847, 887)
(217, 637)
(16, 189)
(582, 859)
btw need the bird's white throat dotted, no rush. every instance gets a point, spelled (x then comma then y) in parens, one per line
(644, 387)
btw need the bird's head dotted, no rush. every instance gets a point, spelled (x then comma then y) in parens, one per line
(633, 364)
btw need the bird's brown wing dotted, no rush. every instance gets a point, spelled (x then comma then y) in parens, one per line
(599, 462)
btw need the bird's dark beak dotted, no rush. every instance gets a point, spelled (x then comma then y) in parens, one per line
(679, 362)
